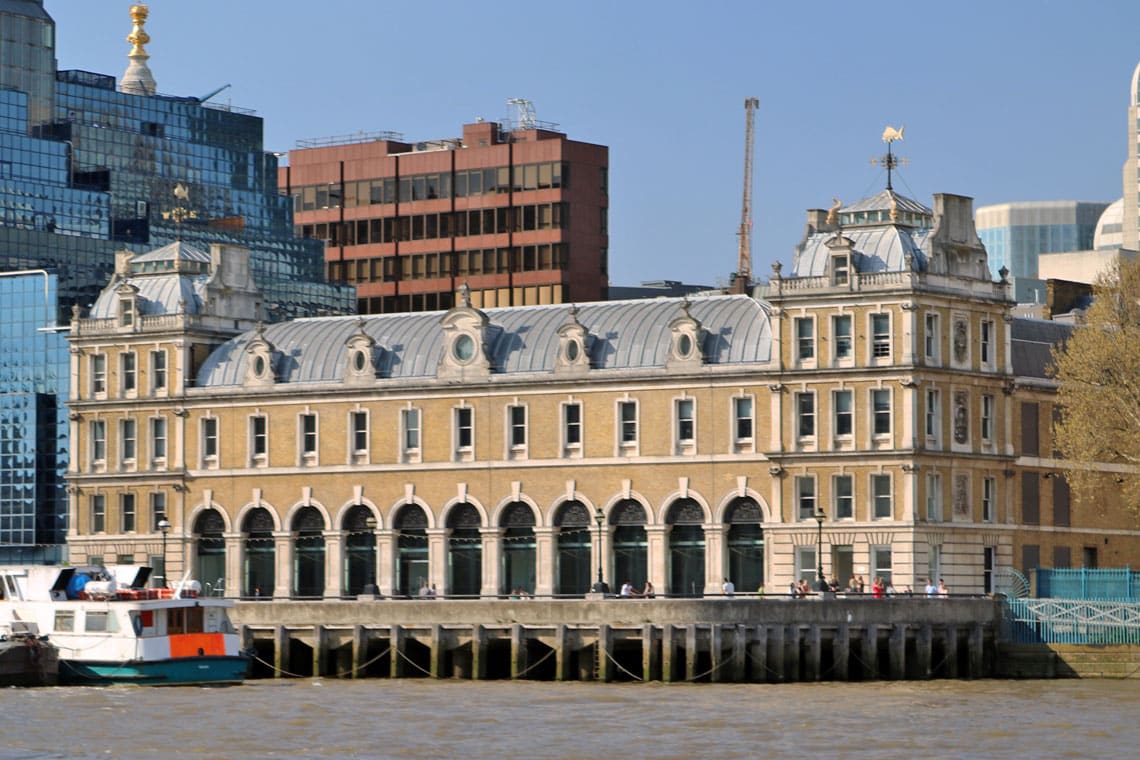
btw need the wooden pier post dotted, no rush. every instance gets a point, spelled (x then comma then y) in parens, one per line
(716, 652)
(815, 654)
(438, 651)
(650, 655)
(841, 652)
(691, 652)
(898, 652)
(478, 652)
(870, 651)
(759, 648)
(399, 644)
(561, 653)
(791, 653)
(518, 651)
(777, 660)
(977, 651)
(952, 669)
(359, 650)
(280, 651)
(739, 654)
(605, 643)
(320, 643)
(668, 652)
(923, 648)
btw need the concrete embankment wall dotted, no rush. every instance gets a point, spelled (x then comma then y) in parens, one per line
(1068, 661)
(756, 640)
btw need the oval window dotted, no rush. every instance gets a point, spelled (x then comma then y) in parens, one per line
(259, 365)
(572, 351)
(358, 361)
(463, 348)
(684, 345)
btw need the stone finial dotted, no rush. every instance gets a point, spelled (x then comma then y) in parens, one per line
(465, 295)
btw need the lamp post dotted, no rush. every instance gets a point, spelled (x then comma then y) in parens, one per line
(600, 518)
(370, 523)
(819, 518)
(164, 528)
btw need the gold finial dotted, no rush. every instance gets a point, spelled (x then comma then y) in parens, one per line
(833, 212)
(138, 37)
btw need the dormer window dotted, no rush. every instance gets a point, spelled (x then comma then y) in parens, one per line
(463, 348)
(685, 346)
(126, 312)
(260, 353)
(574, 341)
(465, 333)
(360, 366)
(840, 269)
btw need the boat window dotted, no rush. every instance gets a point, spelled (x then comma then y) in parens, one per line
(184, 620)
(101, 621)
(64, 620)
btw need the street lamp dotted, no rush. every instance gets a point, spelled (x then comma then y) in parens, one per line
(370, 523)
(164, 528)
(600, 518)
(819, 518)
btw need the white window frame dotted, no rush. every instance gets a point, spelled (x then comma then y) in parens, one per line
(740, 443)
(128, 512)
(159, 441)
(841, 339)
(933, 416)
(159, 371)
(97, 430)
(128, 373)
(989, 499)
(880, 499)
(987, 350)
(98, 508)
(517, 433)
(843, 506)
(805, 416)
(838, 414)
(359, 427)
(209, 460)
(571, 429)
(157, 500)
(877, 414)
(258, 441)
(934, 497)
(99, 375)
(805, 340)
(685, 416)
(308, 441)
(932, 338)
(411, 434)
(807, 566)
(987, 419)
(879, 344)
(807, 495)
(879, 569)
(934, 563)
(463, 452)
(627, 414)
(128, 437)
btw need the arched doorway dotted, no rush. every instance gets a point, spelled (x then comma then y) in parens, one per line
(308, 553)
(359, 549)
(517, 522)
(745, 543)
(686, 548)
(631, 546)
(575, 549)
(411, 524)
(210, 551)
(464, 551)
(260, 554)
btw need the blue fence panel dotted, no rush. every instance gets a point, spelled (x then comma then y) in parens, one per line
(1062, 621)
(1084, 583)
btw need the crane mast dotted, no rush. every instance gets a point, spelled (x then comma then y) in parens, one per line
(743, 278)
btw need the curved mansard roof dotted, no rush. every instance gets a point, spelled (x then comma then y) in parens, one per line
(169, 280)
(877, 249)
(628, 335)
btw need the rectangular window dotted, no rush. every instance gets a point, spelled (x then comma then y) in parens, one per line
(157, 509)
(516, 422)
(987, 418)
(742, 423)
(158, 370)
(881, 563)
(98, 442)
(129, 371)
(464, 430)
(881, 496)
(410, 427)
(844, 497)
(64, 621)
(805, 497)
(99, 373)
(989, 494)
(358, 429)
(840, 267)
(989, 560)
(209, 440)
(806, 569)
(933, 413)
(129, 440)
(881, 404)
(258, 439)
(158, 438)
(932, 339)
(308, 436)
(627, 416)
(1031, 498)
(805, 339)
(1030, 440)
(880, 336)
(844, 414)
(934, 496)
(842, 325)
(1030, 558)
(1088, 558)
(127, 511)
(805, 415)
(98, 513)
(685, 422)
(1062, 557)
(572, 427)
(986, 347)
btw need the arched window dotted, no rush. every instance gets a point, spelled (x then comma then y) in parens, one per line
(260, 555)
(686, 548)
(464, 551)
(518, 554)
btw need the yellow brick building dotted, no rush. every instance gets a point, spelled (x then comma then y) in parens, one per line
(864, 417)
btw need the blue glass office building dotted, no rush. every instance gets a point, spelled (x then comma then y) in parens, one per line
(86, 170)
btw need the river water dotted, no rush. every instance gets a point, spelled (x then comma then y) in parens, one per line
(446, 719)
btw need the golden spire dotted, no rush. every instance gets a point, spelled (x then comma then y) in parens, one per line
(138, 37)
(137, 79)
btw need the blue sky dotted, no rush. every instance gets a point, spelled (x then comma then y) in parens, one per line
(1002, 100)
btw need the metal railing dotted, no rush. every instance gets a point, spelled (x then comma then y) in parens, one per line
(1119, 584)
(1065, 621)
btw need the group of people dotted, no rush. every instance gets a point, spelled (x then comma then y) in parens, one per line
(880, 588)
(940, 591)
(426, 591)
(628, 592)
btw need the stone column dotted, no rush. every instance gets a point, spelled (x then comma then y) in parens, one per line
(544, 561)
(386, 543)
(334, 564)
(714, 556)
(657, 538)
(437, 561)
(283, 564)
(492, 561)
(234, 555)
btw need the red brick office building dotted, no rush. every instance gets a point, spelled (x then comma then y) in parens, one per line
(519, 216)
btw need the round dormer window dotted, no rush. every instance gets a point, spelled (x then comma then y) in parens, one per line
(358, 361)
(684, 345)
(573, 351)
(259, 366)
(463, 349)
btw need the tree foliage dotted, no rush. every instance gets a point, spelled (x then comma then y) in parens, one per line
(1098, 369)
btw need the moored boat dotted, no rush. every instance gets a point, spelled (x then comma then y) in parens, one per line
(26, 658)
(110, 627)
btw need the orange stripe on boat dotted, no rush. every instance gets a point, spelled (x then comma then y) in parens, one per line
(197, 644)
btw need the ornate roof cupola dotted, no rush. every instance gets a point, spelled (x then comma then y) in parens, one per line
(686, 350)
(361, 350)
(137, 79)
(465, 329)
(574, 345)
(261, 361)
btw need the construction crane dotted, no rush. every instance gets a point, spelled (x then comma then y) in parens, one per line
(742, 280)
